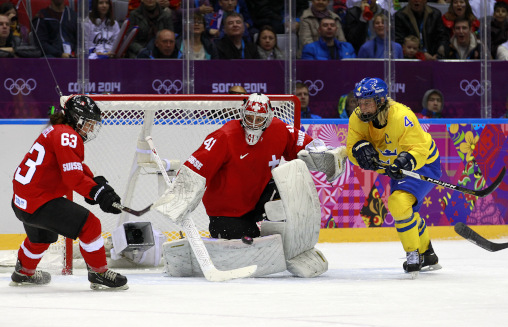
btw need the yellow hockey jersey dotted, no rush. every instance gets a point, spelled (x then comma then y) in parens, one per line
(401, 133)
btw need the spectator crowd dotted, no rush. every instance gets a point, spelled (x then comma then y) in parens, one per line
(421, 30)
(241, 29)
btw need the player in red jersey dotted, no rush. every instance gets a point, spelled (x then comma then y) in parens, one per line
(234, 164)
(52, 168)
(236, 161)
(232, 173)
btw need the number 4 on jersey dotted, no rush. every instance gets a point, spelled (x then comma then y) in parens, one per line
(407, 122)
(209, 143)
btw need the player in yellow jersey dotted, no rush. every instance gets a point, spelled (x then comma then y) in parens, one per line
(383, 130)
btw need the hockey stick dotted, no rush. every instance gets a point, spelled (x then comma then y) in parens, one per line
(473, 237)
(479, 193)
(198, 247)
(132, 211)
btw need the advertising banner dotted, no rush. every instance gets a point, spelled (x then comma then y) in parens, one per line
(29, 86)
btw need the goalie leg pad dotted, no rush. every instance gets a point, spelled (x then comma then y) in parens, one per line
(176, 256)
(265, 252)
(297, 218)
(310, 263)
(301, 209)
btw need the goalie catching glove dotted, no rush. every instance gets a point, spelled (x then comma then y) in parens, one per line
(328, 160)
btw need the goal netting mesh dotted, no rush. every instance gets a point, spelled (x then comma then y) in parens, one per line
(178, 125)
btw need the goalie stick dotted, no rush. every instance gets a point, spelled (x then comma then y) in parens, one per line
(479, 193)
(473, 237)
(198, 247)
(132, 211)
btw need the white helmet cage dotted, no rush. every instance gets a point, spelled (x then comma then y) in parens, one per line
(257, 105)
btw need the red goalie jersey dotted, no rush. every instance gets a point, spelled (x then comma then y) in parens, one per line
(236, 173)
(51, 169)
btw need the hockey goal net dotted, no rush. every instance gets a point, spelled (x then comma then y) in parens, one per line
(178, 125)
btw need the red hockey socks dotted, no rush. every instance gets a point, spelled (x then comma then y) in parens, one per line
(29, 255)
(91, 245)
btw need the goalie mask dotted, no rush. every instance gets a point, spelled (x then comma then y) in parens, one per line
(257, 114)
(84, 116)
(371, 88)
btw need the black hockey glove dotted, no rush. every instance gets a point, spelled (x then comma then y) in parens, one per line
(404, 161)
(366, 155)
(101, 180)
(89, 201)
(105, 196)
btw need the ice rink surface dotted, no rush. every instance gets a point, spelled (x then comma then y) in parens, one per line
(364, 286)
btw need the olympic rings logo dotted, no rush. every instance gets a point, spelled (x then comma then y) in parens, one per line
(20, 86)
(314, 86)
(167, 86)
(472, 88)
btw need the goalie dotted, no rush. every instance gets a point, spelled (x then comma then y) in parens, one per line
(232, 173)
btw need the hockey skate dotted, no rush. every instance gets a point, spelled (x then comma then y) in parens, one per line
(20, 279)
(430, 260)
(413, 263)
(108, 280)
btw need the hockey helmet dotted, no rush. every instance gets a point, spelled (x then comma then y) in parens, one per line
(256, 114)
(371, 88)
(84, 116)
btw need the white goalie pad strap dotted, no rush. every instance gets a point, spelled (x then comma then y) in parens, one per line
(265, 252)
(182, 196)
(310, 263)
(275, 211)
(329, 161)
(302, 209)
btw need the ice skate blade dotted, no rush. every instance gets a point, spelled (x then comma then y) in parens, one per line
(437, 266)
(414, 274)
(100, 287)
(25, 284)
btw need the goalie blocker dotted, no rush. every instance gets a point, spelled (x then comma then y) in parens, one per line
(287, 238)
(319, 157)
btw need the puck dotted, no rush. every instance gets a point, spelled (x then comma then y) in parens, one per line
(247, 240)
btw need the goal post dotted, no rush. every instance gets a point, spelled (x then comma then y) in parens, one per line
(178, 125)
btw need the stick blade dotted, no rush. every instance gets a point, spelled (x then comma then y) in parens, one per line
(132, 211)
(470, 235)
(493, 186)
(142, 212)
(473, 237)
(215, 275)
